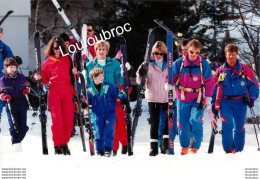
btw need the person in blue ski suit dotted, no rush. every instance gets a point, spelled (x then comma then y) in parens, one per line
(13, 86)
(190, 75)
(5, 52)
(232, 80)
(102, 96)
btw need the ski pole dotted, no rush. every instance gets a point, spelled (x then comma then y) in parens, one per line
(10, 111)
(254, 124)
(213, 122)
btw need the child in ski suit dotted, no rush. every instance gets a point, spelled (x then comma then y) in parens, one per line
(5, 52)
(190, 74)
(232, 80)
(113, 73)
(102, 96)
(57, 71)
(13, 87)
(156, 95)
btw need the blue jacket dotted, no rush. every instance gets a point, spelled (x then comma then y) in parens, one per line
(112, 71)
(5, 52)
(233, 81)
(104, 103)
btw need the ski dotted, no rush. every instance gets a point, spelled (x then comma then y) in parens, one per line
(128, 118)
(87, 120)
(43, 116)
(137, 111)
(176, 38)
(6, 15)
(169, 38)
(213, 132)
(79, 114)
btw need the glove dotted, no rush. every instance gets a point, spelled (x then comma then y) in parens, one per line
(214, 110)
(142, 71)
(208, 103)
(4, 97)
(251, 102)
(84, 105)
(127, 108)
(127, 66)
(168, 87)
(26, 91)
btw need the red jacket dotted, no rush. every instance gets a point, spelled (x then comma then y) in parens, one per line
(56, 70)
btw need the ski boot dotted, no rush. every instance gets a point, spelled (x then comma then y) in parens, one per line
(107, 152)
(124, 149)
(184, 151)
(100, 153)
(65, 149)
(164, 146)
(58, 150)
(230, 151)
(154, 149)
(114, 153)
(193, 151)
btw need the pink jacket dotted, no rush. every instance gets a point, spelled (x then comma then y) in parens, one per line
(155, 81)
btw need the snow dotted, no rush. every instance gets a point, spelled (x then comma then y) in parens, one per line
(81, 164)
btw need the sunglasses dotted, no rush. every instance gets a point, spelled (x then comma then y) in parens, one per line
(156, 53)
(196, 53)
(56, 48)
(183, 50)
(90, 30)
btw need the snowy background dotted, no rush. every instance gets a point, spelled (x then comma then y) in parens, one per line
(81, 164)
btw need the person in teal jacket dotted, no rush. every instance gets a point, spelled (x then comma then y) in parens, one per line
(102, 96)
(112, 70)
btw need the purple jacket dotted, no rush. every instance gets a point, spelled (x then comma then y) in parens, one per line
(190, 77)
(13, 85)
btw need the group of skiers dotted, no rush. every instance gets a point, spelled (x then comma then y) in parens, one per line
(194, 86)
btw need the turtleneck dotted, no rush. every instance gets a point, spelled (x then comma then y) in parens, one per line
(159, 63)
(98, 87)
(102, 62)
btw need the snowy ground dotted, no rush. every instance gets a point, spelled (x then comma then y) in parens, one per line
(80, 164)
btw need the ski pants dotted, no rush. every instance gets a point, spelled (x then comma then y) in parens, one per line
(189, 115)
(105, 128)
(154, 109)
(62, 107)
(19, 113)
(120, 128)
(233, 116)
(162, 122)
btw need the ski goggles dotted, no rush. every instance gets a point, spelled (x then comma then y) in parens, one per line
(196, 53)
(90, 30)
(56, 48)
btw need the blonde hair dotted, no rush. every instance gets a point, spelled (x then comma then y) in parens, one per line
(95, 72)
(102, 43)
(159, 46)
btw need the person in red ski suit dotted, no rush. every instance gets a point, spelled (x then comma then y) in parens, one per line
(57, 72)
(120, 126)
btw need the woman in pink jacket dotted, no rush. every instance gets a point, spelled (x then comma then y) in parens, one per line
(155, 93)
(57, 72)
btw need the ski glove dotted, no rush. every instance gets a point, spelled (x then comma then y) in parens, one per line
(208, 103)
(26, 91)
(214, 110)
(127, 107)
(168, 87)
(4, 97)
(251, 102)
(127, 66)
(84, 105)
(142, 71)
